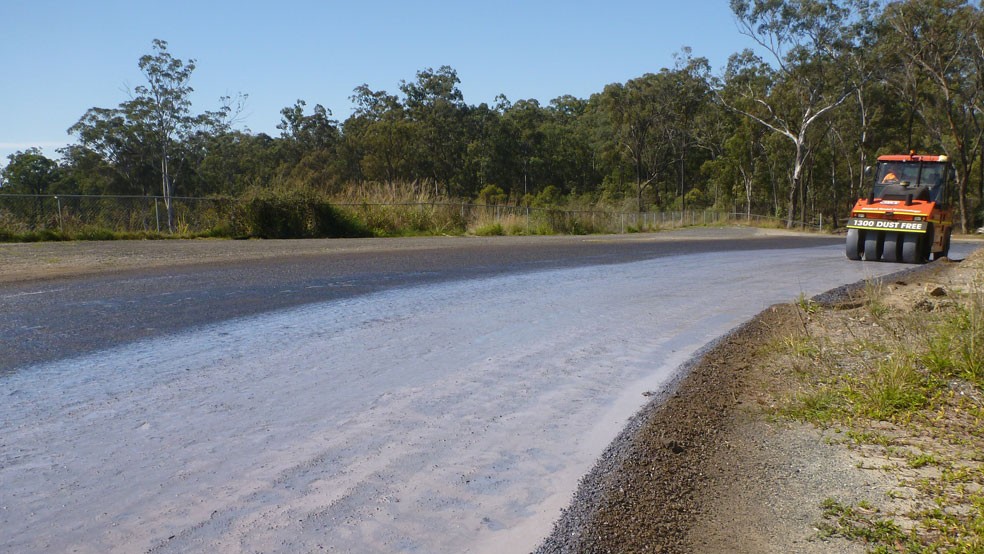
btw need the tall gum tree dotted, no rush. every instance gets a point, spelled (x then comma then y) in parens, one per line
(940, 39)
(377, 137)
(155, 123)
(805, 39)
(650, 122)
(436, 110)
(164, 104)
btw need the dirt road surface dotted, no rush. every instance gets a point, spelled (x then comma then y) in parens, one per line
(450, 416)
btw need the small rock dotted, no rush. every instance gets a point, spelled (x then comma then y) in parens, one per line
(936, 290)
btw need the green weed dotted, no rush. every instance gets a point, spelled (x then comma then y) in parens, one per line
(801, 346)
(490, 230)
(921, 460)
(807, 305)
(860, 523)
(895, 387)
(874, 294)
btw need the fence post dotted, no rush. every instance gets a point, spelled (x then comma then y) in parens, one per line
(61, 224)
(157, 215)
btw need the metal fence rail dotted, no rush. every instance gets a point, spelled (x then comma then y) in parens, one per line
(79, 213)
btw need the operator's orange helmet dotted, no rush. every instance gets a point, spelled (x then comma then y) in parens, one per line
(890, 177)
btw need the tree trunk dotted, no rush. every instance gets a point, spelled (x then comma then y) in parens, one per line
(980, 190)
(748, 199)
(803, 197)
(962, 200)
(791, 201)
(168, 187)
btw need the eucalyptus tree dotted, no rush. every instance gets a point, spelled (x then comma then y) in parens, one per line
(713, 127)
(163, 106)
(571, 154)
(30, 172)
(307, 133)
(739, 165)
(489, 152)
(436, 110)
(865, 66)
(637, 115)
(524, 122)
(310, 145)
(235, 161)
(155, 126)
(685, 94)
(378, 144)
(125, 147)
(940, 39)
(806, 40)
(86, 172)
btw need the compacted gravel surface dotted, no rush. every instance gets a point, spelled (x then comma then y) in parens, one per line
(397, 438)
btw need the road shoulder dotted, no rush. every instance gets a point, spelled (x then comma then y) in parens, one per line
(713, 467)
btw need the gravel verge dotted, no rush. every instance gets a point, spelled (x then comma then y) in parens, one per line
(706, 467)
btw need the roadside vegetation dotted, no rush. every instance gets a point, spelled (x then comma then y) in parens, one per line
(897, 375)
(376, 211)
(785, 131)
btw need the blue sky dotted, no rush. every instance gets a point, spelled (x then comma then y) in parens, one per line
(62, 57)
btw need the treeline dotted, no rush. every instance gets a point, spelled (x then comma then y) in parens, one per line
(786, 129)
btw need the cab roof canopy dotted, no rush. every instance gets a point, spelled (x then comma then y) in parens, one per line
(911, 158)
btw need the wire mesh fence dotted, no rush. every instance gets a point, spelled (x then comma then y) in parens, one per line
(134, 214)
(129, 214)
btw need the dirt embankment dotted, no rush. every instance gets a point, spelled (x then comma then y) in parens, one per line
(719, 468)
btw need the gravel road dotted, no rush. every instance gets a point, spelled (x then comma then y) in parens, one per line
(437, 416)
(65, 299)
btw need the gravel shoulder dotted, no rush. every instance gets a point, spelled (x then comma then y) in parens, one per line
(710, 467)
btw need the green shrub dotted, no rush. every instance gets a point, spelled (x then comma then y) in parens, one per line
(492, 195)
(293, 214)
(490, 229)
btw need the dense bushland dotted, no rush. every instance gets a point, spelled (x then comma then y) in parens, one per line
(785, 130)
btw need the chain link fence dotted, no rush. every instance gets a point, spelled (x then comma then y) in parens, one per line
(128, 214)
(135, 214)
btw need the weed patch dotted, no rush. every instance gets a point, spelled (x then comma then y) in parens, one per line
(902, 373)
